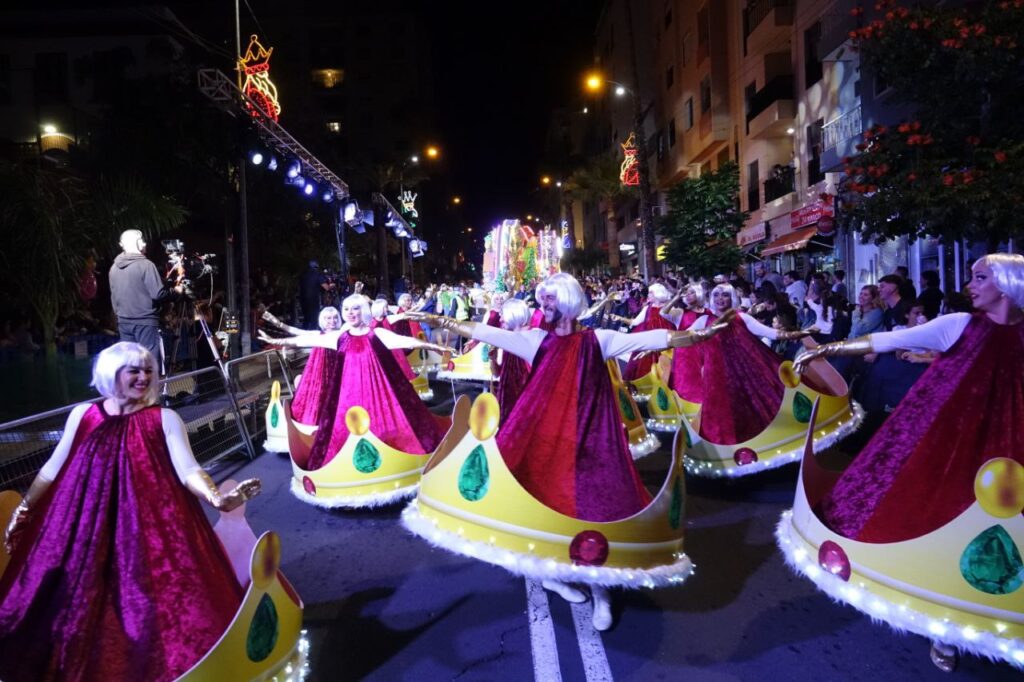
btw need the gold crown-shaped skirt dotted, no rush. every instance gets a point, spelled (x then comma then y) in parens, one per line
(961, 585)
(470, 503)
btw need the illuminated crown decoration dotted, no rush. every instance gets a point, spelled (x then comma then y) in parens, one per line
(265, 638)
(472, 366)
(781, 442)
(366, 472)
(470, 503)
(961, 584)
(641, 441)
(257, 85)
(629, 171)
(408, 201)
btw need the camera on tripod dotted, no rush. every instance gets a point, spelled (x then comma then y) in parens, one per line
(185, 269)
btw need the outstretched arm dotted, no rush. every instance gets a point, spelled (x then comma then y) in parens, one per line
(312, 340)
(294, 331)
(393, 341)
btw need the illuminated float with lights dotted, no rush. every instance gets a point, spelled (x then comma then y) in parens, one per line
(470, 503)
(959, 584)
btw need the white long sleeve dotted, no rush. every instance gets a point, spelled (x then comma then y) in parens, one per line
(614, 344)
(824, 326)
(939, 334)
(67, 439)
(753, 326)
(176, 435)
(393, 341)
(641, 316)
(524, 344)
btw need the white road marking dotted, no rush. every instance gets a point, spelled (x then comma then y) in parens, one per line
(542, 635)
(595, 660)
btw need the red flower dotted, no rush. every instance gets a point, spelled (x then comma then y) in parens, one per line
(968, 177)
(860, 146)
(914, 26)
(889, 16)
(979, 29)
(903, 128)
(847, 160)
(854, 35)
(881, 130)
(949, 42)
(948, 179)
(927, 139)
(911, 177)
(916, 125)
(1000, 157)
(856, 11)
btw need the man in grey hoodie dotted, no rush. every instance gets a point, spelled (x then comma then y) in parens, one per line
(136, 291)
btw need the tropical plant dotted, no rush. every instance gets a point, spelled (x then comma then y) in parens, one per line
(598, 181)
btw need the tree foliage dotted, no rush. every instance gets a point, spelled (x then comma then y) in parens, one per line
(702, 221)
(954, 170)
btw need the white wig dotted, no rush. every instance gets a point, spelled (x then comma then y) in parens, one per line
(660, 293)
(112, 360)
(379, 309)
(515, 314)
(1008, 270)
(405, 301)
(358, 301)
(698, 292)
(567, 290)
(726, 289)
(322, 320)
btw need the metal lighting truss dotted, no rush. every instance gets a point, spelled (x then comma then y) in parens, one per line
(223, 92)
(391, 213)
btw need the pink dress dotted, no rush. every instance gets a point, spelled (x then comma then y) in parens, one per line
(118, 575)
(315, 378)
(640, 364)
(687, 378)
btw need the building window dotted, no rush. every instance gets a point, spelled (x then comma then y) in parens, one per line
(50, 78)
(687, 47)
(814, 174)
(672, 132)
(689, 113)
(661, 145)
(668, 14)
(753, 187)
(327, 79)
(703, 34)
(748, 97)
(670, 76)
(334, 126)
(812, 62)
(723, 157)
(705, 94)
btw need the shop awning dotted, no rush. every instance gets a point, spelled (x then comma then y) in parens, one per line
(792, 241)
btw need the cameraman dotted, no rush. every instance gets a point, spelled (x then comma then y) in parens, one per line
(136, 292)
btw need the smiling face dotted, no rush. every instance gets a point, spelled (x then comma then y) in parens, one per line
(722, 301)
(982, 289)
(331, 321)
(864, 297)
(549, 306)
(133, 382)
(690, 297)
(352, 313)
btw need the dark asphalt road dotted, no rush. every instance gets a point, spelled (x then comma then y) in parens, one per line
(381, 604)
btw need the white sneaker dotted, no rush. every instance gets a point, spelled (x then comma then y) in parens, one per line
(602, 618)
(566, 591)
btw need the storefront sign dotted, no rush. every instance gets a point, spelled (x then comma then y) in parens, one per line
(752, 234)
(826, 225)
(812, 213)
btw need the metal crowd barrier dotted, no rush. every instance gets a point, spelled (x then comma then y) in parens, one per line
(224, 415)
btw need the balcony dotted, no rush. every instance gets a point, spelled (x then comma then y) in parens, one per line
(763, 21)
(834, 44)
(781, 183)
(772, 109)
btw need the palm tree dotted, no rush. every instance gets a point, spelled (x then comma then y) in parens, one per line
(50, 219)
(598, 181)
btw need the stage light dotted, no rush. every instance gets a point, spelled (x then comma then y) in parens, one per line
(309, 188)
(256, 157)
(328, 195)
(272, 163)
(350, 213)
(294, 168)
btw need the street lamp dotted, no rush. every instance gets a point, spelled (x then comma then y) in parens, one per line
(546, 180)
(595, 83)
(456, 200)
(433, 152)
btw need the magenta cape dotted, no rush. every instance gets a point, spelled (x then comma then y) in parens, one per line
(315, 377)
(513, 373)
(367, 375)
(742, 388)
(917, 473)
(687, 378)
(564, 441)
(640, 364)
(118, 575)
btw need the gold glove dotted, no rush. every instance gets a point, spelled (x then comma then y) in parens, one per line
(861, 346)
(21, 513)
(684, 339)
(441, 322)
(796, 335)
(203, 487)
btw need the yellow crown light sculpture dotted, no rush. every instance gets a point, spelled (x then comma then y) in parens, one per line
(781, 442)
(422, 385)
(277, 430)
(366, 472)
(265, 639)
(471, 504)
(472, 366)
(641, 441)
(961, 585)
(422, 360)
